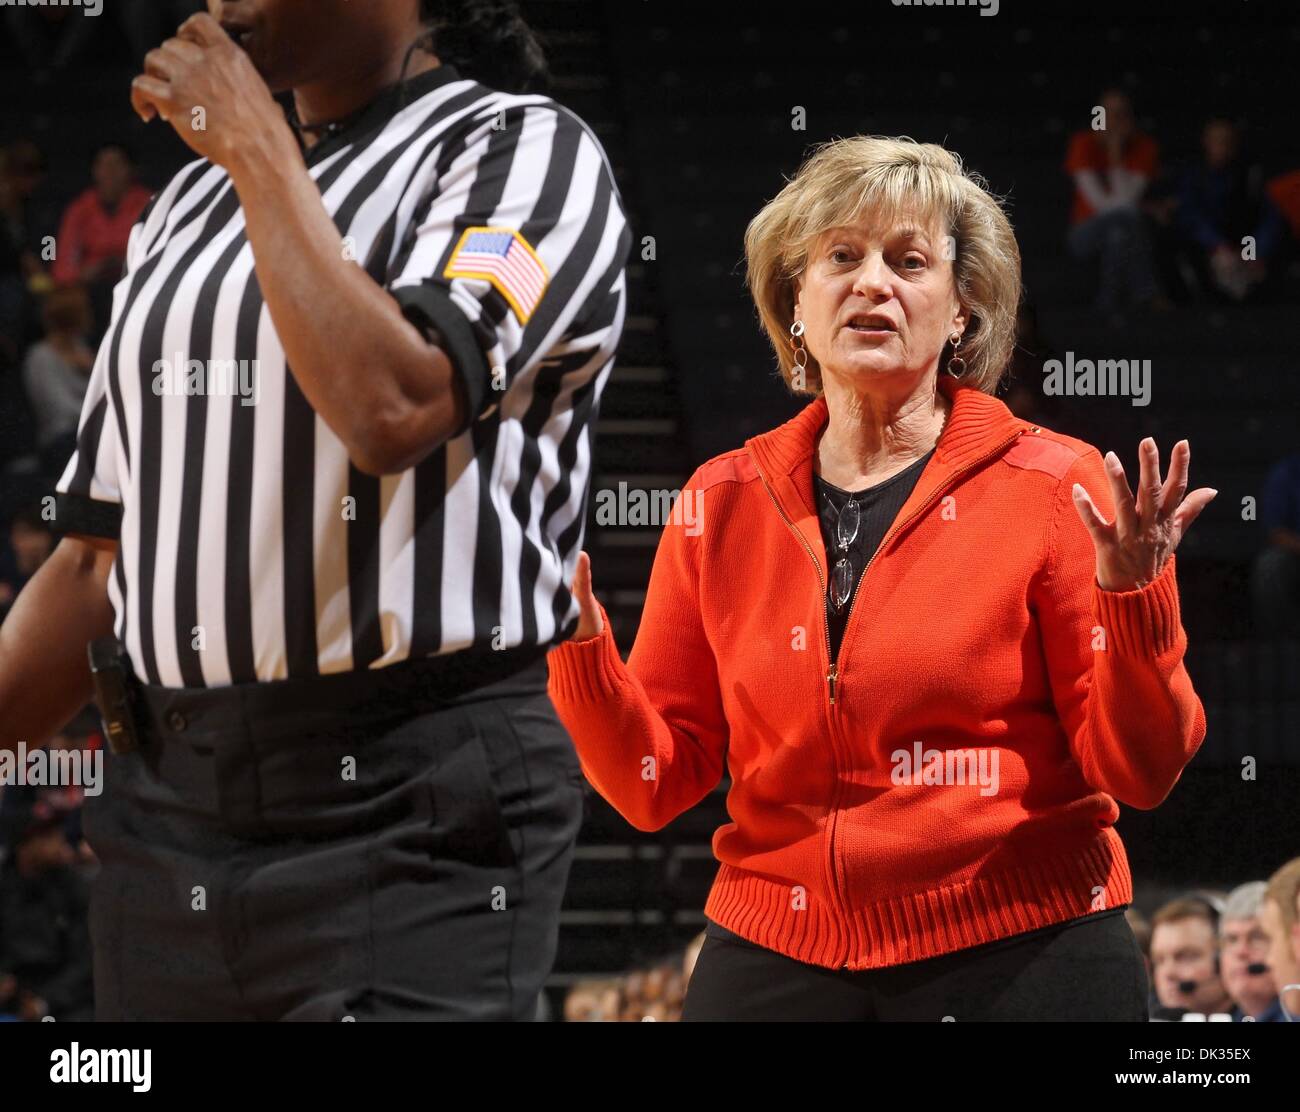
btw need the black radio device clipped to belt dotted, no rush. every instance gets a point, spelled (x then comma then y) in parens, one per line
(113, 679)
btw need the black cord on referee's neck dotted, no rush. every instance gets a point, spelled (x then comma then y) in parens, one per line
(328, 129)
(425, 40)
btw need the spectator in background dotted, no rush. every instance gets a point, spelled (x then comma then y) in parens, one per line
(1111, 169)
(45, 954)
(1243, 946)
(66, 800)
(1185, 958)
(1221, 200)
(1283, 192)
(56, 371)
(1275, 576)
(30, 543)
(51, 36)
(1279, 915)
(92, 240)
(26, 219)
(655, 994)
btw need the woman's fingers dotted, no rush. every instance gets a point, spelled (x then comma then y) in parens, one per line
(1126, 515)
(1171, 494)
(1148, 493)
(1191, 508)
(1146, 529)
(590, 622)
(1097, 526)
(582, 578)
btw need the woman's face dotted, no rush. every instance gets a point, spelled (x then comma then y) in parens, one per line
(878, 301)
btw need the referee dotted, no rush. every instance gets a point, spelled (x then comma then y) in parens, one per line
(327, 496)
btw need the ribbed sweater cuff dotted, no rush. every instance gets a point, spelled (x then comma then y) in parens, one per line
(587, 671)
(1145, 622)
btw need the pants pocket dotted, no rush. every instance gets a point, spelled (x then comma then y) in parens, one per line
(467, 818)
(534, 767)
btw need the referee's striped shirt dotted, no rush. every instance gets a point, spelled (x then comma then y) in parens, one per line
(250, 549)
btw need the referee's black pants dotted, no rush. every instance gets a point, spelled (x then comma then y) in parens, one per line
(1089, 968)
(367, 845)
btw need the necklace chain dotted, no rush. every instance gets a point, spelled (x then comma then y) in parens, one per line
(328, 127)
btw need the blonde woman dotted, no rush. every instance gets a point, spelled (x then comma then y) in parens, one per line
(932, 645)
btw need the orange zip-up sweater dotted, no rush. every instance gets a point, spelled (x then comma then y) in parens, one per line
(952, 777)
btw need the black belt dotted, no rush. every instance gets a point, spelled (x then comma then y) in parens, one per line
(132, 709)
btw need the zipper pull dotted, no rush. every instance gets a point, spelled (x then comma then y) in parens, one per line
(831, 677)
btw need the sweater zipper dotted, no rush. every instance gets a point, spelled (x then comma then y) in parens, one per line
(826, 624)
(832, 676)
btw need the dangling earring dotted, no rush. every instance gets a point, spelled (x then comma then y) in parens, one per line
(799, 370)
(956, 364)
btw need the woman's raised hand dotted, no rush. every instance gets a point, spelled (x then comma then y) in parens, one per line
(1132, 549)
(590, 622)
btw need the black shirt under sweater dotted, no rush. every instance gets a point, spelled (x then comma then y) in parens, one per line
(879, 506)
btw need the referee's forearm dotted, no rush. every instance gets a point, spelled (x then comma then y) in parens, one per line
(387, 393)
(44, 674)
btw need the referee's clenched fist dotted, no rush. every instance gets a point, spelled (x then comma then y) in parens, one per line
(207, 89)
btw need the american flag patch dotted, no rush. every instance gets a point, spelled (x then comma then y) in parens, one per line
(503, 257)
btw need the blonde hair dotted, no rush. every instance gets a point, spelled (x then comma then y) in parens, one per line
(889, 178)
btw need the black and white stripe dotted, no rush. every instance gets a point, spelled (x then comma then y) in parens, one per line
(230, 517)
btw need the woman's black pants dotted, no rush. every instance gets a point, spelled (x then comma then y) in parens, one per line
(1086, 969)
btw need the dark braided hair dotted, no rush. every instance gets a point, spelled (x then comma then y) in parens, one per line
(487, 40)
